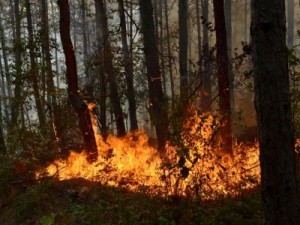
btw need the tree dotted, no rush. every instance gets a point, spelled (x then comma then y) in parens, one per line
(223, 75)
(157, 102)
(183, 47)
(109, 68)
(78, 104)
(206, 89)
(274, 117)
(290, 22)
(17, 102)
(33, 73)
(128, 64)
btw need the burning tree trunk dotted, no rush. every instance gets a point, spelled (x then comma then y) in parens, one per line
(274, 117)
(223, 75)
(157, 102)
(79, 106)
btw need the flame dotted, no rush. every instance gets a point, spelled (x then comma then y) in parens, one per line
(191, 168)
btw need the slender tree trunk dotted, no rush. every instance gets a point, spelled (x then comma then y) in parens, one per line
(223, 76)
(290, 22)
(206, 88)
(102, 77)
(170, 67)
(199, 41)
(3, 90)
(33, 74)
(51, 92)
(79, 106)
(183, 47)
(157, 102)
(161, 46)
(5, 61)
(110, 71)
(16, 103)
(128, 69)
(246, 21)
(274, 117)
(228, 21)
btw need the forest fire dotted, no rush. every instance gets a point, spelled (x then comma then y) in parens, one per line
(190, 169)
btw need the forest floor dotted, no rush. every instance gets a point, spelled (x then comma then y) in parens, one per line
(82, 202)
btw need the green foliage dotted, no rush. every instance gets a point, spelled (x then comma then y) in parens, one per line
(51, 202)
(48, 219)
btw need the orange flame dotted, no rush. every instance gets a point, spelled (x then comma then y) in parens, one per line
(189, 169)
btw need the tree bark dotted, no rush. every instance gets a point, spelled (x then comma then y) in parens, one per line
(127, 58)
(6, 67)
(17, 102)
(274, 117)
(79, 106)
(223, 76)
(290, 23)
(183, 47)
(170, 67)
(206, 88)
(110, 70)
(157, 102)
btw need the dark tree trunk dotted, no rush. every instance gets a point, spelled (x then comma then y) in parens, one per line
(223, 76)
(183, 47)
(228, 13)
(170, 67)
(157, 102)
(79, 106)
(273, 107)
(207, 61)
(290, 23)
(127, 58)
(102, 97)
(110, 71)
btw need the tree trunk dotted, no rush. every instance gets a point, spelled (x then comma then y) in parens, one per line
(33, 73)
(183, 47)
(157, 102)
(5, 61)
(274, 117)
(51, 92)
(102, 97)
(17, 102)
(223, 76)
(79, 106)
(170, 67)
(228, 20)
(127, 58)
(290, 23)
(206, 88)
(110, 70)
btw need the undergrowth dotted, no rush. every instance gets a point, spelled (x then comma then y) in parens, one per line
(81, 202)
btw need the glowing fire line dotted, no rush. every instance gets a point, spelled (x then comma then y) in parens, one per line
(132, 163)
